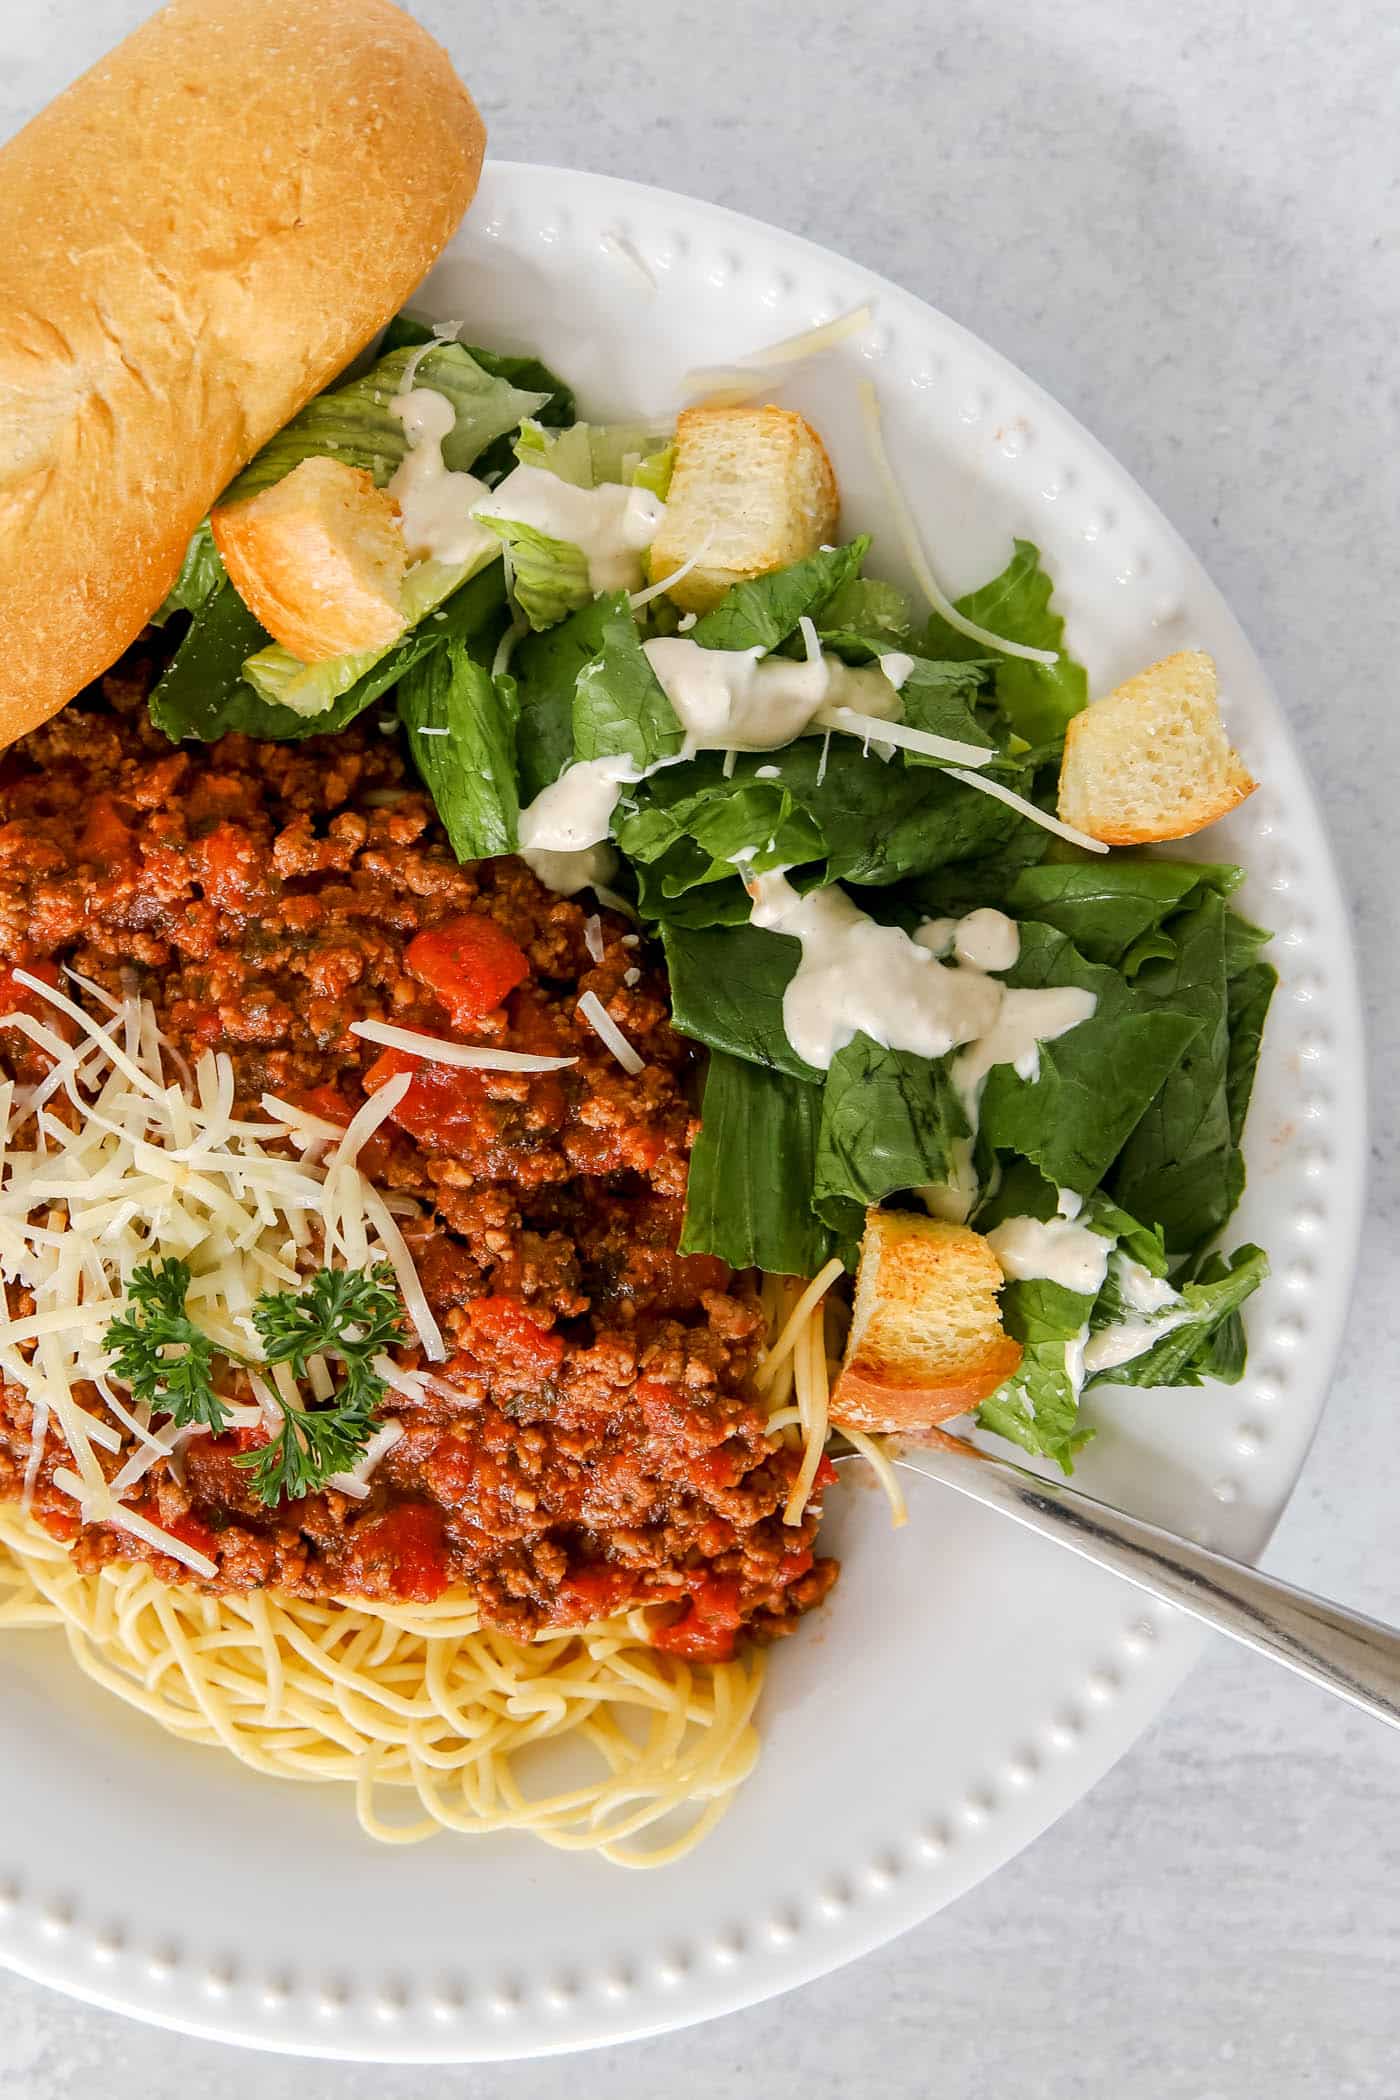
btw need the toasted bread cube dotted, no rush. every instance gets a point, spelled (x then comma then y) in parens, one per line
(319, 558)
(926, 1338)
(754, 488)
(1152, 760)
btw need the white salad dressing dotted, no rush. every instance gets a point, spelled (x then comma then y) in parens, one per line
(564, 830)
(1053, 1249)
(742, 700)
(985, 939)
(1157, 1307)
(435, 501)
(857, 976)
(612, 525)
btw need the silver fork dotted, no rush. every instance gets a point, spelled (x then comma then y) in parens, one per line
(1343, 1651)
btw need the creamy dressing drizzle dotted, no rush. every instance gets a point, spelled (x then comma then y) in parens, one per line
(856, 976)
(435, 501)
(1158, 1308)
(612, 525)
(564, 830)
(1053, 1249)
(742, 700)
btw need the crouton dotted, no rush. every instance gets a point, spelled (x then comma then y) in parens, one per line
(926, 1337)
(1152, 760)
(319, 558)
(754, 488)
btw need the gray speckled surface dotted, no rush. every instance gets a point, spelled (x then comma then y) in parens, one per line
(1182, 219)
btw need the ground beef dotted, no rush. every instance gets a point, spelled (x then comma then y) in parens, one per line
(593, 1443)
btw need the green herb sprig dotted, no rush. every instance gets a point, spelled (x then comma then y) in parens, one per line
(159, 1353)
(168, 1362)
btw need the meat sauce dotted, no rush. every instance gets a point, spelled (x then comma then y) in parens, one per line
(592, 1442)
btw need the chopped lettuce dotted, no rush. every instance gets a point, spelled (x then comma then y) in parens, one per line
(620, 705)
(546, 668)
(461, 730)
(864, 617)
(1181, 1166)
(201, 574)
(890, 1121)
(762, 614)
(356, 424)
(1109, 906)
(1038, 1408)
(1096, 1083)
(749, 1193)
(311, 689)
(1208, 1342)
(203, 693)
(727, 986)
(653, 472)
(755, 824)
(1037, 699)
(588, 454)
(548, 578)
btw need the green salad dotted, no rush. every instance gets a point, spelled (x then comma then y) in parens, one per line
(1071, 1072)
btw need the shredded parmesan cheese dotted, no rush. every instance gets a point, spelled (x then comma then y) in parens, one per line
(655, 590)
(914, 548)
(754, 373)
(472, 1056)
(355, 1483)
(148, 1168)
(606, 1029)
(1028, 809)
(876, 730)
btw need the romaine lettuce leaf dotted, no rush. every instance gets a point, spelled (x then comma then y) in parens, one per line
(1208, 1344)
(620, 705)
(355, 423)
(1181, 1166)
(653, 472)
(727, 986)
(203, 694)
(879, 823)
(311, 689)
(201, 574)
(889, 1121)
(1096, 1083)
(764, 612)
(590, 453)
(1107, 906)
(864, 616)
(1038, 1408)
(748, 1199)
(1037, 699)
(938, 698)
(546, 669)
(461, 730)
(548, 577)
(753, 822)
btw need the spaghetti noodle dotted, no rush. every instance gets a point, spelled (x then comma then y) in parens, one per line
(421, 1703)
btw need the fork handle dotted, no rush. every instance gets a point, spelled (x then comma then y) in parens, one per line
(1345, 1652)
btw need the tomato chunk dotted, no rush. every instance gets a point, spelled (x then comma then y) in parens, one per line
(504, 1328)
(469, 963)
(408, 1545)
(442, 1104)
(106, 836)
(706, 1628)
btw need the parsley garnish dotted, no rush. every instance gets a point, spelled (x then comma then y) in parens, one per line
(349, 1313)
(158, 1352)
(352, 1315)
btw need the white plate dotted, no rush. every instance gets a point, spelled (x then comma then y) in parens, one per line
(968, 1682)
